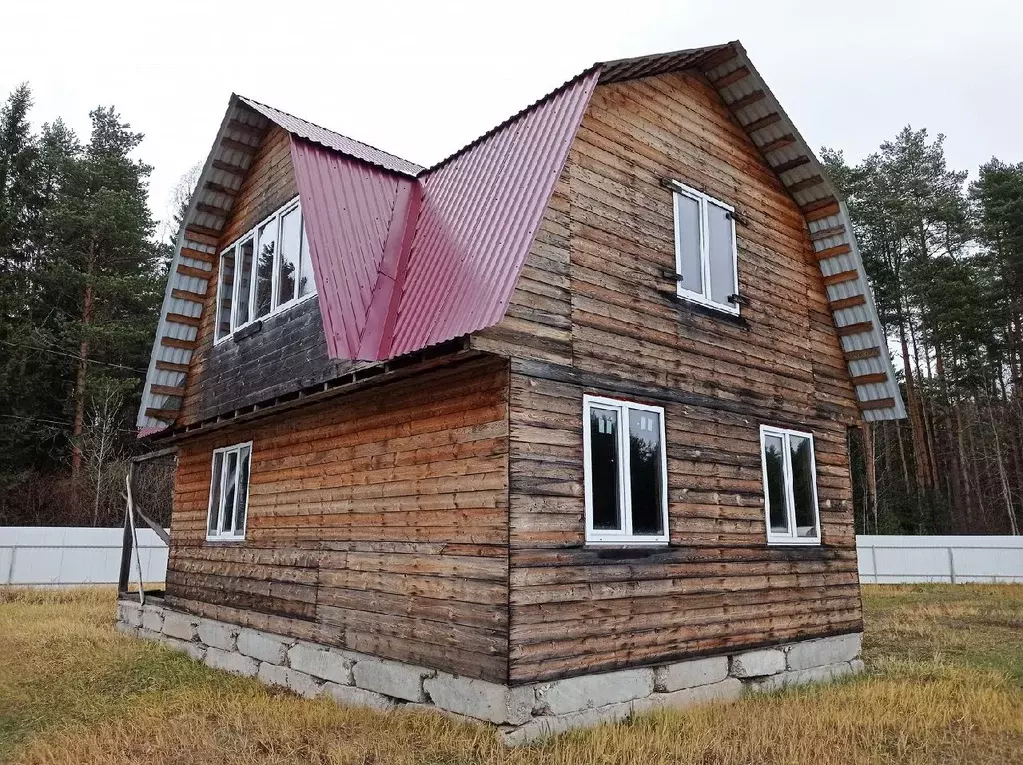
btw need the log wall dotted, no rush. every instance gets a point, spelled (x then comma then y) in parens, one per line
(595, 312)
(288, 351)
(440, 520)
(377, 521)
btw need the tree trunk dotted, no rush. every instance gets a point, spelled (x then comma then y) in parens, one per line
(955, 491)
(926, 417)
(919, 459)
(969, 490)
(83, 366)
(868, 458)
(902, 457)
(975, 466)
(1002, 477)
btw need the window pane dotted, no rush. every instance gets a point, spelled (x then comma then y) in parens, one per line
(243, 491)
(218, 471)
(687, 235)
(719, 244)
(774, 458)
(225, 293)
(802, 485)
(241, 313)
(645, 472)
(604, 469)
(266, 247)
(291, 245)
(307, 282)
(230, 490)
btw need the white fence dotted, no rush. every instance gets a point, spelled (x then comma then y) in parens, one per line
(896, 559)
(34, 556)
(66, 556)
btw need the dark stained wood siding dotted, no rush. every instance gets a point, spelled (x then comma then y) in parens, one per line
(378, 522)
(289, 351)
(717, 587)
(595, 313)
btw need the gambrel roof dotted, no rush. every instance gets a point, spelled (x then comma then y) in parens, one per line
(406, 257)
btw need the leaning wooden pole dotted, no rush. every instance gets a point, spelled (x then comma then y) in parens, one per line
(134, 534)
(126, 543)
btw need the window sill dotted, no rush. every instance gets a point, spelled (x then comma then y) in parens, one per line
(253, 328)
(711, 312)
(794, 543)
(224, 540)
(629, 544)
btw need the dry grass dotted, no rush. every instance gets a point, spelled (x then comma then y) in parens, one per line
(945, 686)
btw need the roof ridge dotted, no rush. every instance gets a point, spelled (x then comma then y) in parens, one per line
(251, 101)
(508, 120)
(703, 49)
(424, 170)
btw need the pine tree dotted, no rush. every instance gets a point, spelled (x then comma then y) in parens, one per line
(19, 201)
(101, 273)
(28, 431)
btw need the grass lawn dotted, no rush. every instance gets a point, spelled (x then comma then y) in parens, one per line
(944, 685)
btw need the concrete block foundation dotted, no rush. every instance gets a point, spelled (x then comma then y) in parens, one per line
(522, 714)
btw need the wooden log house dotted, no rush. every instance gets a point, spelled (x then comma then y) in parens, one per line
(573, 401)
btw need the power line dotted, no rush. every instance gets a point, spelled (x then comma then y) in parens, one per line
(36, 419)
(74, 356)
(61, 423)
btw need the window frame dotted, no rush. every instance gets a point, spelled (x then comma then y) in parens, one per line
(224, 451)
(790, 538)
(252, 234)
(703, 298)
(624, 537)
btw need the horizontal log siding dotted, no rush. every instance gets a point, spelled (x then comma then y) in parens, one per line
(717, 587)
(595, 307)
(377, 521)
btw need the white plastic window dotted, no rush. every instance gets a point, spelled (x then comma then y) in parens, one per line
(625, 472)
(266, 271)
(229, 493)
(790, 487)
(705, 249)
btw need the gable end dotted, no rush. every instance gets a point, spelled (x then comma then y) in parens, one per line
(757, 111)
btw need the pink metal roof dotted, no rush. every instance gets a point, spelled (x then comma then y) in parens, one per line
(347, 207)
(481, 209)
(402, 264)
(342, 143)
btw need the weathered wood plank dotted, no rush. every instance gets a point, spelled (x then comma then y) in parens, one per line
(718, 586)
(399, 497)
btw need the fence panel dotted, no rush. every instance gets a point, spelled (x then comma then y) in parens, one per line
(51, 556)
(67, 556)
(904, 560)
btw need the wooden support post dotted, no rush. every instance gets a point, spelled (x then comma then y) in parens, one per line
(126, 551)
(134, 534)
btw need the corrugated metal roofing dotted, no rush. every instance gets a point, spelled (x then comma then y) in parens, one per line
(336, 141)
(660, 63)
(347, 206)
(480, 212)
(460, 232)
(406, 258)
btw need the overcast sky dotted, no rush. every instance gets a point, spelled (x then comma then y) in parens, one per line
(420, 79)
